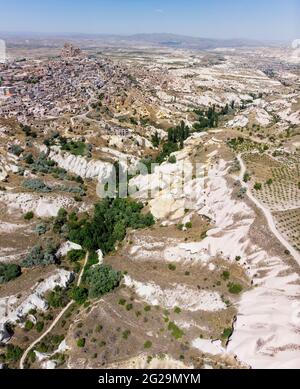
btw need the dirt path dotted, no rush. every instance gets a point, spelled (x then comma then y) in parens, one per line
(57, 319)
(267, 214)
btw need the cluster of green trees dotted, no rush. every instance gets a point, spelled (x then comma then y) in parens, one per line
(207, 119)
(178, 134)
(28, 131)
(108, 225)
(176, 137)
(79, 294)
(13, 353)
(8, 272)
(74, 147)
(39, 256)
(75, 255)
(156, 139)
(101, 279)
(210, 118)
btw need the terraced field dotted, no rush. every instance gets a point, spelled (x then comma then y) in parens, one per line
(288, 223)
(280, 192)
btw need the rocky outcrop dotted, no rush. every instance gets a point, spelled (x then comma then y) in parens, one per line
(80, 166)
(66, 247)
(14, 310)
(42, 206)
(69, 51)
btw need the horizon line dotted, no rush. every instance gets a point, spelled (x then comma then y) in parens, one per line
(91, 34)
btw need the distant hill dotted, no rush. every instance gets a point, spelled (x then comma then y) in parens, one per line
(164, 40)
(182, 41)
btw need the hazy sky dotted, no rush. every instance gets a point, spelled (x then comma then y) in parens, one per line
(258, 19)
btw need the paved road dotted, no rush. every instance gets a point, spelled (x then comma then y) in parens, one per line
(57, 319)
(267, 214)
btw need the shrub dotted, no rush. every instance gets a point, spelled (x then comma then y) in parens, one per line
(39, 326)
(246, 177)
(175, 330)
(180, 226)
(235, 288)
(41, 229)
(172, 267)
(16, 150)
(29, 216)
(28, 158)
(81, 342)
(227, 333)
(126, 334)
(177, 310)
(29, 325)
(269, 182)
(60, 221)
(98, 328)
(147, 344)
(31, 356)
(172, 159)
(102, 279)
(225, 275)
(257, 186)
(9, 272)
(189, 225)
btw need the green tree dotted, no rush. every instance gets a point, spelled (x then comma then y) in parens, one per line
(79, 295)
(8, 272)
(102, 279)
(75, 255)
(13, 353)
(39, 326)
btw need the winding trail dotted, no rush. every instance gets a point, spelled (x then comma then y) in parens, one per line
(57, 319)
(267, 214)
